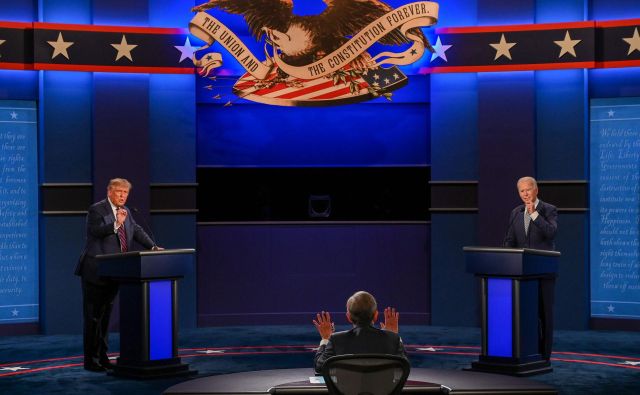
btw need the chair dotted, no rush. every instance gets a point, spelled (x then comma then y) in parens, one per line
(365, 374)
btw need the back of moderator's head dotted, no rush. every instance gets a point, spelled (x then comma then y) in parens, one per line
(362, 307)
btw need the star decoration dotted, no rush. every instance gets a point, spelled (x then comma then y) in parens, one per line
(395, 76)
(413, 52)
(633, 41)
(567, 45)
(439, 51)
(13, 368)
(376, 77)
(14, 115)
(502, 48)
(610, 308)
(186, 50)
(386, 81)
(611, 112)
(14, 312)
(124, 49)
(60, 46)
(211, 352)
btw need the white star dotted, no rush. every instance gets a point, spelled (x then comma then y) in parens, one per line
(211, 351)
(13, 368)
(610, 308)
(611, 112)
(439, 51)
(386, 81)
(60, 46)
(502, 48)
(14, 312)
(632, 363)
(633, 41)
(429, 349)
(14, 115)
(124, 49)
(395, 76)
(567, 45)
(376, 77)
(186, 50)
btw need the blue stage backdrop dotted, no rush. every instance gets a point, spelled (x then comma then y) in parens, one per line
(18, 212)
(615, 213)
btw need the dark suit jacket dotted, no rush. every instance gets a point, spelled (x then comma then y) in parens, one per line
(359, 340)
(542, 231)
(101, 239)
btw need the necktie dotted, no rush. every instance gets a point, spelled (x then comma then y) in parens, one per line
(527, 221)
(122, 236)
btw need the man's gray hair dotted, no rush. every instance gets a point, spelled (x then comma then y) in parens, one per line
(362, 307)
(528, 179)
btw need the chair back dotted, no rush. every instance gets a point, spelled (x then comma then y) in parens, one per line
(365, 374)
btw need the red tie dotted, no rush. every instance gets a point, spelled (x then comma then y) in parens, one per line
(122, 235)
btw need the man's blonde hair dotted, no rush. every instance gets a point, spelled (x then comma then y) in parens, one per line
(119, 182)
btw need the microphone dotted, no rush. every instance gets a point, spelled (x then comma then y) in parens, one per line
(153, 238)
(504, 240)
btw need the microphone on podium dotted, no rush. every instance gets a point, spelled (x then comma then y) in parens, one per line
(153, 237)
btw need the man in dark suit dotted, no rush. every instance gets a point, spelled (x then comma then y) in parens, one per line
(363, 338)
(110, 229)
(534, 225)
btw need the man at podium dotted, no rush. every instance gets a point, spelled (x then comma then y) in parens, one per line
(110, 229)
(533, 224)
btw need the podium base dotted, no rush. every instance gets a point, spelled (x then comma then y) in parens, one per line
(512, 369)
(147, 371)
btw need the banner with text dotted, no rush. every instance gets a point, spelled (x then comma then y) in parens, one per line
(615, 208)
(18, 212)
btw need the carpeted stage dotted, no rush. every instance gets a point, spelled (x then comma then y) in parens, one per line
(585, 362)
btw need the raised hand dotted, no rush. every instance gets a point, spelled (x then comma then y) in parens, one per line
(391, 317)
(324, 325)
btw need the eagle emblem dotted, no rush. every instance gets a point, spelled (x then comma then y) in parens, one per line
(305, 52)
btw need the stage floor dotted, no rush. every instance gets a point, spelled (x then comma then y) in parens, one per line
(420, 381)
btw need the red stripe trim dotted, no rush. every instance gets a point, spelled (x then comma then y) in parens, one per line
(622, 22)
(19, 372)
(615, 365)
(304, 91)
(116, 29)
(17, 25)
(16, 66)
(120, 69)
(514, 67)
(618, 63)
(517, 28)
(277, 87)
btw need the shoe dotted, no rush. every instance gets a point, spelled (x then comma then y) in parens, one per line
(107, 364)
(94, 367)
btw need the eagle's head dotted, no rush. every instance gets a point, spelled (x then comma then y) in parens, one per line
(297, 41)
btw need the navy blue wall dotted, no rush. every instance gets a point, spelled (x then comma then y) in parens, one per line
(95, 126)
(516, 124)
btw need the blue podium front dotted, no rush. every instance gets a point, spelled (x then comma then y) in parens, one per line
(148, 310)
(512, 299)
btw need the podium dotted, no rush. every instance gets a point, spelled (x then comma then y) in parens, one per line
(148, 310)
(510, 282)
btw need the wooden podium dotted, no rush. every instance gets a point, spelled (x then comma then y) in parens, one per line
(148, 310)
(510, 285)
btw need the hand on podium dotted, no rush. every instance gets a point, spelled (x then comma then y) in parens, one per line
(156, 248)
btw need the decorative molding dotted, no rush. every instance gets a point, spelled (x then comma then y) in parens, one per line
(65, 198)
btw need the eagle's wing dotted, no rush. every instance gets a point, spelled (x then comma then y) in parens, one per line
(274, 14)
(348, 17)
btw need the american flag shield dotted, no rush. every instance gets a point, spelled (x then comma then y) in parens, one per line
(343, 87)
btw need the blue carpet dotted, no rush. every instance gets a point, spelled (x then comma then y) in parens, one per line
(584, 362)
